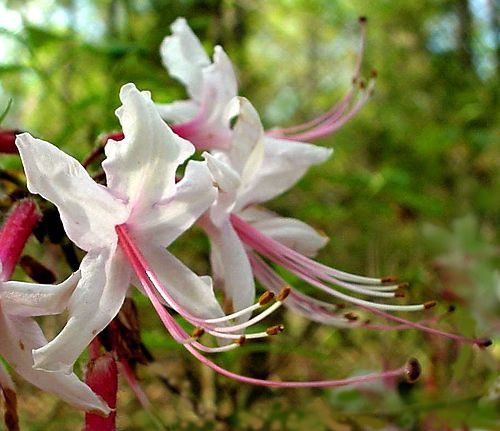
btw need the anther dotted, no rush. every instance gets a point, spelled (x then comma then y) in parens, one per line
(362, 84)
(275, 330)
(352, 317)
(412, 370)
(362, 19)
(484, 342)
(266, 297)
(341, 306)
(388, 279)
(429, 304)
(451, 308)
(399, 294)
(404, 285)
(197, 333)
(240, 341)
(283, 294)
(374, 73)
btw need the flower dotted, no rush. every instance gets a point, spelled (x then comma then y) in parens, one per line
(242, 234)
(141, 191)
(19, 302)
(212, 84)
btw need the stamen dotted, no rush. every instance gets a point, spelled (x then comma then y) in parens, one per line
(137, 263)
(275, 330)
(413, 370)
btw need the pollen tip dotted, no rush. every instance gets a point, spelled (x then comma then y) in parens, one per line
(275, 330)
(240, 341)
(404, 285)
(429, 304)
(283, 294)
(451, 308)
(374, 73)
(399, 295)
(363, 19)
(484, 342)
(352, 317)
(388, 279)
(413, 369)
(266, 297)
(362, 84)
(341, 306)
(197, 333)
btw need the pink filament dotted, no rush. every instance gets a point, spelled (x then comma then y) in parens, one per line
(139, 265)
(308, 270)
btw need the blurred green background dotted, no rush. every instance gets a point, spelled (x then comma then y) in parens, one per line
(413, 189)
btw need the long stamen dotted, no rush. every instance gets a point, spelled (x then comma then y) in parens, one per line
(284, 256)
(411, 369)
(337, 111)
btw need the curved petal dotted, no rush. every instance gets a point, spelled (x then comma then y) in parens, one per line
(18, 337)
(141, 167)
(88, 211)
(30, 299)
(247, 146)
(188, 289)
(285, 162)
(291, 232)
(184, 57)
(231, 267)
(219, 88)
(168, 219)
(181, 111)
(94, 303)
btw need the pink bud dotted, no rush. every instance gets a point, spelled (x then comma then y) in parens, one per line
(14, 233)
(102, 377)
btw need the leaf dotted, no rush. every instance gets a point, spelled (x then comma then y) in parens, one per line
(6, 111)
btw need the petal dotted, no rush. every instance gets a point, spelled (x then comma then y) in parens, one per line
(30, 299)
(247, 146)
(88, 211)
(94, 303)
(168, 219)
(141, 167)
(219, 88)
(227, 178)
(285, 162)
(189, 290)
(231, 267)
(181, 111)
(288, 231)
(18, 337)
(184, 57)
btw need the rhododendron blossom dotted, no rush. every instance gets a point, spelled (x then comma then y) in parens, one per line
(141, 191)
(212, 84)
(19, 303)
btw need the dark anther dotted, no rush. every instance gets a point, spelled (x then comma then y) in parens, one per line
(412, 370)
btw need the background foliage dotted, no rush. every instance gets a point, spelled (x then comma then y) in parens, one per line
(412, 190)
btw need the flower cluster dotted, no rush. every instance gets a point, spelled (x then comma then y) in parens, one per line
(126, 220)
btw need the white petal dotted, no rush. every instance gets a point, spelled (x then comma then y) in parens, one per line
(247, 144)
(288, 231)
(18, 337)
(219, 88)
(189, 290)
(88, 211)
(141, 167)
(222, 172)
(30, 299)
(285, 162)
(184, 57)
(168, 219)
(231, 267)
(95, 302)
(178, 112)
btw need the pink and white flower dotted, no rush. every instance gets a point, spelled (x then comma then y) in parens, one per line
(142, 192)
(211, 84)
(19, 303)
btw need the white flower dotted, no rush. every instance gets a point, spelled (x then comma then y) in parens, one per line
(142, 192)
